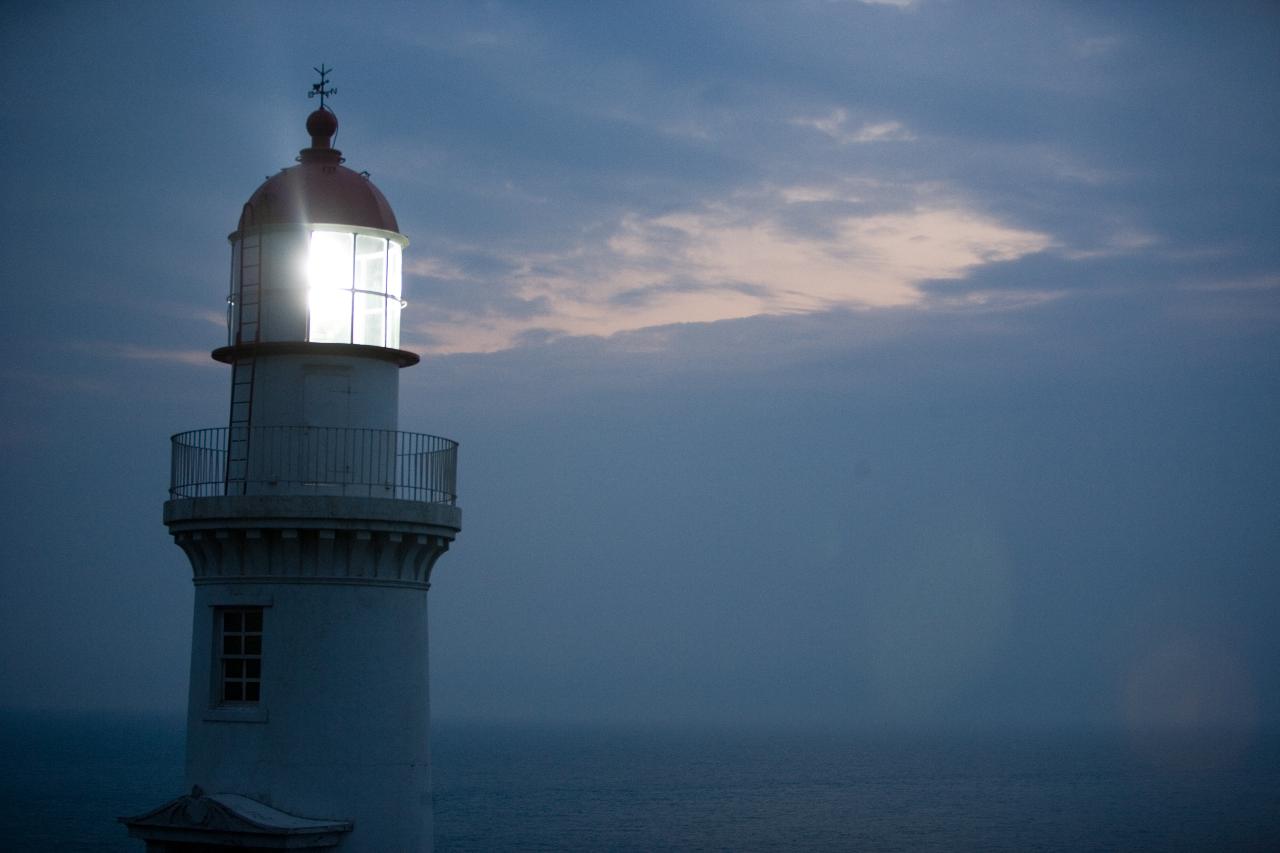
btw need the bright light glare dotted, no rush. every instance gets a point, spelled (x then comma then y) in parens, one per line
(329, 271)
(347, 271)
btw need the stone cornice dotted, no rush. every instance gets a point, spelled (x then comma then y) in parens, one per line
(311, 539)
(333, 511)
(311, 555)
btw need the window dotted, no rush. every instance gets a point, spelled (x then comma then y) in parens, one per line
(329, 292)
(353, 289)
(393, 295)
(240, 655)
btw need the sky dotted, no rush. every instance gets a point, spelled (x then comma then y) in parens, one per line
(819, 364)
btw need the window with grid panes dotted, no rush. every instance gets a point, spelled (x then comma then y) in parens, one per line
(353, 288)
(240, 654)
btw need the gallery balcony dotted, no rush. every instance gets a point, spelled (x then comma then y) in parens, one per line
(318, 461)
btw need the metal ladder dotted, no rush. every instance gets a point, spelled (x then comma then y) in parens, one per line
(247, 308)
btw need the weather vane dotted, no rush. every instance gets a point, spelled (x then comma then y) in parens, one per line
(321, 88)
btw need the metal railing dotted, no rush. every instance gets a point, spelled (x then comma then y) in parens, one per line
(315, 461)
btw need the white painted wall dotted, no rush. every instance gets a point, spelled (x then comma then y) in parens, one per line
(326, 391)
(342, 729)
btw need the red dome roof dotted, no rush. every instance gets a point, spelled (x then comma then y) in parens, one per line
(319, 189)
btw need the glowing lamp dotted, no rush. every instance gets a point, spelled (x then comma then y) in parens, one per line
(353, 288)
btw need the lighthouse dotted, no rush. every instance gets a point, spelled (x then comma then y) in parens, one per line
(312, 523)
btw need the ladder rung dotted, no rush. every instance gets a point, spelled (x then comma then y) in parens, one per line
(242, 374)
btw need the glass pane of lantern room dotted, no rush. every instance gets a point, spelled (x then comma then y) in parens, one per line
(330, 264)
(393, 270)
(370, 308)
(233, 297)
(330, 316)
(393, 323)
(371, 263)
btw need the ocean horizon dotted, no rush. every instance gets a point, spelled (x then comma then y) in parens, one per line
(585, 788)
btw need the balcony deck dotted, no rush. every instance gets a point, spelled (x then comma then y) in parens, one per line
(292, 460)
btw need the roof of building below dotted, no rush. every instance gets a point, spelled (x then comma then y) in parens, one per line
(234, 820)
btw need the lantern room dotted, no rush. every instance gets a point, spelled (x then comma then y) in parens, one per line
(316, 257)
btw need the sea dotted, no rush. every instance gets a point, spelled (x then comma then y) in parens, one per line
(65, 778)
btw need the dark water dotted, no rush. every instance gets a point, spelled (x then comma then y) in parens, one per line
(505, 788)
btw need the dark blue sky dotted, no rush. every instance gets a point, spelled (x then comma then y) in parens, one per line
(821, 363)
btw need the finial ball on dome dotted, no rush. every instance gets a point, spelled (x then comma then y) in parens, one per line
(322, 125)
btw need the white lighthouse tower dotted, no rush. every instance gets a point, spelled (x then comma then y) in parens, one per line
(312, 524)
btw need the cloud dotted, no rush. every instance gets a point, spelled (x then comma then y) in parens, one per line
(1097, 45)
(434, 268)
(835, 125)
(133, 352)
(774, 251)
(54, 384)
(1266, 282)
(1121, 240)
(885, 131)
(1235, 305)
